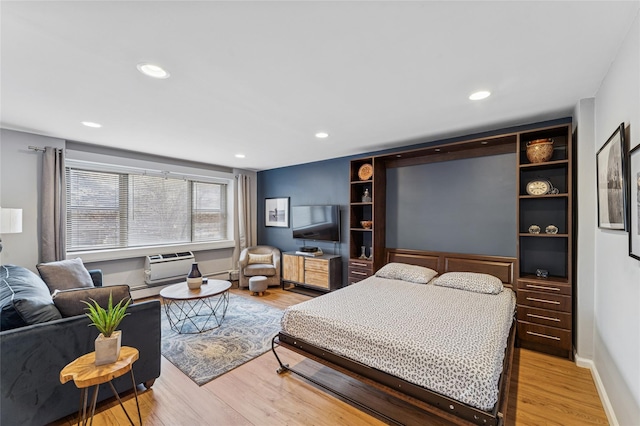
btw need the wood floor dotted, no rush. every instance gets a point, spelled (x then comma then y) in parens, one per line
(545, 390)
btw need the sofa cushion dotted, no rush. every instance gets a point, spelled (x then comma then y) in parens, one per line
(259, 269)
(65, 274)
(261, 259)
(69, 302)
(24, 298)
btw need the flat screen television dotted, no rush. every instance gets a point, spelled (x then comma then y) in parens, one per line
(318, 223)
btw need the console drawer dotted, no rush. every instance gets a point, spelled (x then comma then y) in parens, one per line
(544, 286)
(540, 334)
(544, 317)
(554, 302)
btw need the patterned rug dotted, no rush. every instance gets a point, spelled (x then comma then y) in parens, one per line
(245, 333)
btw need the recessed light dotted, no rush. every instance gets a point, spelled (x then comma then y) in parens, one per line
(92, 124)
(322, 135)
(240, 155)
(152, 70)
(482, 94)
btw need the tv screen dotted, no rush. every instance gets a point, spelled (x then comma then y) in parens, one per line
(319, 223)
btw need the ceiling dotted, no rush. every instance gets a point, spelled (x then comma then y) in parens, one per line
(261, 78)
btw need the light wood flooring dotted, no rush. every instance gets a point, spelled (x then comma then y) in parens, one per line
(545, 390)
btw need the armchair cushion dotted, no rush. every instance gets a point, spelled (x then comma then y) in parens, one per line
(65, 274)
(24, 299)
(259, 269)
(69, 302)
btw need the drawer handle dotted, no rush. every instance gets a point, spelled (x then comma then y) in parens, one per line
(358, 273)
(359, 264)
(533, 299)
(543, 335)
(542, 287)
(543, 317)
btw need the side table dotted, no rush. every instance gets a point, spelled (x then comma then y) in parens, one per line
(85, 374)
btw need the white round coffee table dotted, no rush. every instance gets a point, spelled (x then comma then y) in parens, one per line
(196, 311)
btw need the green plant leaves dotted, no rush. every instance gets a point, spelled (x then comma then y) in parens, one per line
(107, 320)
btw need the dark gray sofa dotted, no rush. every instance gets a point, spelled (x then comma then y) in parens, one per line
(32, 356)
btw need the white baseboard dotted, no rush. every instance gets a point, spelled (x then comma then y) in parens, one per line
(604, 398)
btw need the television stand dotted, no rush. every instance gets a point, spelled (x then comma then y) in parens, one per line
(323, 273)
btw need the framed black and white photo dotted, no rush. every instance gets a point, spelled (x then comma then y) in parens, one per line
(634, 202)
(276, 212)
(611, 182)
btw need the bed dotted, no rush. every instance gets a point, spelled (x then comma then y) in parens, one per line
(446, 350)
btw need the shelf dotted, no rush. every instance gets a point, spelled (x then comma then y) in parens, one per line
(526, 234)
(356, 182)
(547, 164)
(361, 229)
(551, 279)
(362, 203)
(530, 197)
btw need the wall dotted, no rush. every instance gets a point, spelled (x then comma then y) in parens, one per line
(464, 206)
(20, 185)
(617, 276)
(323, 182)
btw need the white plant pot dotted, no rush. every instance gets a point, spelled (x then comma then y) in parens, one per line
(108, 348)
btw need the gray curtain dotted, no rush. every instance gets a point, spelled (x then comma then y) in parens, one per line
(53, 244)
(245, 236)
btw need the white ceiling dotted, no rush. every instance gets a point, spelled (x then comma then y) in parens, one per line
(261, 78)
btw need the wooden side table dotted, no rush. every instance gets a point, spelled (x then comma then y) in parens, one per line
(85, 374)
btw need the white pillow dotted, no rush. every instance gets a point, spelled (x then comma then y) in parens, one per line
(470, 281)
(401, 271)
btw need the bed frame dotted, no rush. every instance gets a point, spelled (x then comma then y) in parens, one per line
(423, 399)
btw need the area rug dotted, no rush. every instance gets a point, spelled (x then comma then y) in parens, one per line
(245, 333)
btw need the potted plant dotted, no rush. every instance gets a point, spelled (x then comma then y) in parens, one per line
(109, 340)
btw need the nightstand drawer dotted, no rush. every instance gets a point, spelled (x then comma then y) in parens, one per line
(361, 264)
(544, 300)
(549, 336)
(544, 286)
(544, 317)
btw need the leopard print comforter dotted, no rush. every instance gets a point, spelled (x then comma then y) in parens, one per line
(447, 340)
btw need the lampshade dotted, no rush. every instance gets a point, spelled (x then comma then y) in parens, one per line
(10, 221)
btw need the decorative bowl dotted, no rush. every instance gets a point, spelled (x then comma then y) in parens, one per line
(366, 224)
(540, 150)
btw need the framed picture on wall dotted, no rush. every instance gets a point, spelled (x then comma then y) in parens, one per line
(276, 212)
(634, 202)
(612, 182)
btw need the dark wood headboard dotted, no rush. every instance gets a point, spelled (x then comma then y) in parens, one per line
(499, 266)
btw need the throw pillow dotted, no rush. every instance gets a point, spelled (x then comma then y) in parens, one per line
(411, 273)
(261, 258)
(69, 302)
(65, 274)
(24, 298)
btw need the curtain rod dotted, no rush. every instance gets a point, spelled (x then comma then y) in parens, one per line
(36, 148)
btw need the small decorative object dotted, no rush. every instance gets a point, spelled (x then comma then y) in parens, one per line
(366, 197)
(366, 224)
(542, 273)
(534, 229)
(540, 150)
(276, 212)
(633, 209)
(371, 253)
(612, 182)
(541, 186)
(365, 171)
(551, 229)
(362, 254)
(194, 279)
(108, 342)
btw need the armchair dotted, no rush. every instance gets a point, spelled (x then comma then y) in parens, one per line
(259, 260)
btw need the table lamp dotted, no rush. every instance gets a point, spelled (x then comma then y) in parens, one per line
(10, 222)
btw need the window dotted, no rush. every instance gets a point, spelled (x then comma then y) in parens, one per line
(107, 210)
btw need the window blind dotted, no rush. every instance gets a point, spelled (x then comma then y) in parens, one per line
(108, 210)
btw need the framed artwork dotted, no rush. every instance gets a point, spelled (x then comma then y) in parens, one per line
(612, 182)
(634, 202)
(276, 212)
